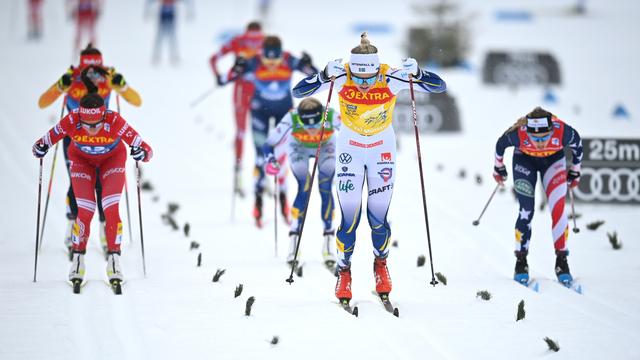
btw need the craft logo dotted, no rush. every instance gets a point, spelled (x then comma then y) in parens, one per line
(380, 189)
(344, 158)
(386, 174)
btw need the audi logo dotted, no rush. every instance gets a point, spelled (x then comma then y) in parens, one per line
(606, 184)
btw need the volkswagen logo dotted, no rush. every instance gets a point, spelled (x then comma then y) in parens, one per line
(344, 158)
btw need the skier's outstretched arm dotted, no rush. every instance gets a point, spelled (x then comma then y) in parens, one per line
(119, 84)
(276, 135)
(423, 80)
(320, 81)
(55, 90)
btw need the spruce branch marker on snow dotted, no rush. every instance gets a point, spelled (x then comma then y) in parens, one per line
(484, 295)
(442, 278)
(199, 259)
(595, 225)
(553, 345)
(421, 260)
(275, 340)
(613, 240)
(521, 313)
(218, 274)
(247, 309)
(238, 291)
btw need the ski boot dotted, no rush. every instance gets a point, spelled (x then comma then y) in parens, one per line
(68, 238)
(237, 181)
(103, 238)
(293, 237)
(114, 272)
(383, 280)
(77, 270)
(284, 207)
(328, 252)
(257, 210)
(521, 272)
(343, 284)
(562, 268)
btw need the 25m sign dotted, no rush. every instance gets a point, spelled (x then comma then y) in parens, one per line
(610, 171)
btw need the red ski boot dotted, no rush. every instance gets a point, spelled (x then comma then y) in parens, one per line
(257, 211)
(343, 285)
(383, 280)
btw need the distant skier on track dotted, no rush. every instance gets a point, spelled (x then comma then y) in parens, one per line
(539, 139)
(299, 131)
(271, 73)
(246, 46)
(97, 151)
(366, 148)
(105, 79)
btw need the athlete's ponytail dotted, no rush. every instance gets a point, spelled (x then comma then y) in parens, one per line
(365, 46)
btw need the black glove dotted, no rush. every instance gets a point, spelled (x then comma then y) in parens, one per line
(573, 178)
(117, 80)
(138, 153)
(305, 60)
(65, 81)
(240, 65)
(40, 149)
(500, 174)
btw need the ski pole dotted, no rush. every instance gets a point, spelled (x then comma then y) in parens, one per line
(573, 212)
(275, 213)
(424, 198)
(313, 174)
(477, 221)
(233, 195)
(144, 266)
(201, 98)
(53, 168)
(126, 187)
(35, 265)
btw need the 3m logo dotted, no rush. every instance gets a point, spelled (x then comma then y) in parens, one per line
(385, 156)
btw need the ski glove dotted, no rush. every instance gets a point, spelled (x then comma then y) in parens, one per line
(305, 60)
(573, 178)
(334, 68)
(240, 66)
(40, 149)
(117, 80)
(142, 152)
(65, 81)
(411, 66)
(500, 174)
(272, 166)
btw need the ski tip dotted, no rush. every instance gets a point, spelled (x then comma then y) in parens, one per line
(535, 286)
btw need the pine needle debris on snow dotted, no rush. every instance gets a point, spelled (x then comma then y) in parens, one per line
(553, 345)
(247, 309)
(484, 295)
(521, 313)
(238, 291)
(595, 225)
(613, 240)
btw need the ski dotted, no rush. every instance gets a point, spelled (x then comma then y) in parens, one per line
(532, 284)
(344, 303)
(572, 285)
(116, 286)
(331, 266)
(384, 298)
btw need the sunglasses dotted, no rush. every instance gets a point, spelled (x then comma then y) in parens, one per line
(359, 80)
(540, 138)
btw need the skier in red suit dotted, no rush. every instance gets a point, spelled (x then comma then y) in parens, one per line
(246, 46)
(97, 150)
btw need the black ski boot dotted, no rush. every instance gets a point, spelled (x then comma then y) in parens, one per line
(521, 273)
(562, 268)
